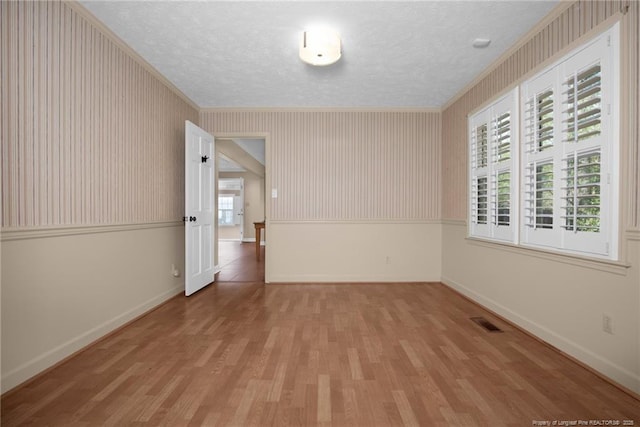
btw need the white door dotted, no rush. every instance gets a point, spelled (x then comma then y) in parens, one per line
(200, 194)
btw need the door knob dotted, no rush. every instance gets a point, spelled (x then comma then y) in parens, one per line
(192, 218)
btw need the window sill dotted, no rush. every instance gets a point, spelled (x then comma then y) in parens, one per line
(609, 266)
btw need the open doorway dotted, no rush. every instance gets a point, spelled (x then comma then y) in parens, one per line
(241, 203)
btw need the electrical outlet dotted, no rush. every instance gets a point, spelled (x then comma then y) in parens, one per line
(607, 323)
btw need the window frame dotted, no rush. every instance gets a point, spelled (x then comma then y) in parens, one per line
(221, 210)
(604, 50)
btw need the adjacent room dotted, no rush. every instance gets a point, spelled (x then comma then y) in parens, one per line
(355, 213)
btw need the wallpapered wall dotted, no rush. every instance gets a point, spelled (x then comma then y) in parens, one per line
(344, 166)
(89, 136)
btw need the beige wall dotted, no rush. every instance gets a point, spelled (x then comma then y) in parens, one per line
(229, 233)
(61, 293)
(355, 252)
(92, 185)
(253, 200)
(344, 172)
(558, 298)
(343, 166)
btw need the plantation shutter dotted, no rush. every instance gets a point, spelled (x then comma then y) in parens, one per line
(482, 197)
(568, 161)
(542, 155)
(581, 182)
(581, 192)
(559, 187)
(502, 131)
(587, 192)
(503, 196)
(583, 104)
(501, 180)
(493, 184)
(479, 162)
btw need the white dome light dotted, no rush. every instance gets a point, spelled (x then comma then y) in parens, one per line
(481, 43)
(320, 47)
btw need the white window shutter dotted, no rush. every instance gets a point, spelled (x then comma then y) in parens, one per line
(504, 197)
(483, 200)
(481, 146)
(493, 186)
(571, 144)
(582, 104)
(529, 207)
(581, 192)
(551, 186)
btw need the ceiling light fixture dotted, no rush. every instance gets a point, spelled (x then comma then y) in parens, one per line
(320, 47)
(481, 43)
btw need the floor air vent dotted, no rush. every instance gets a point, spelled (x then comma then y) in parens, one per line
(486, 324)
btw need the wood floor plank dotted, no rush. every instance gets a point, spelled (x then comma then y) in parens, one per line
(404, 408)
(324, 399)
(252, 354)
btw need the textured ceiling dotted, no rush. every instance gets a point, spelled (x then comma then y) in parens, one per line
(245, 54)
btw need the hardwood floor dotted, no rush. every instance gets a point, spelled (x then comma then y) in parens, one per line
(247, 354)
(238, 262)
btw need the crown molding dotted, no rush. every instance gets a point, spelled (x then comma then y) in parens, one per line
(320, 110)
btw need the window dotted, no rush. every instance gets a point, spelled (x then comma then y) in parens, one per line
(567, 199)
(225, 210)
(493, 181)
(570, 153)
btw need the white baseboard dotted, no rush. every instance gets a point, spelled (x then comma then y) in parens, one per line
(607, 368)
(34, 366)
(346, 278)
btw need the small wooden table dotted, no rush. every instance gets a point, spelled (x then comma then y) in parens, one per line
(259, 226)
